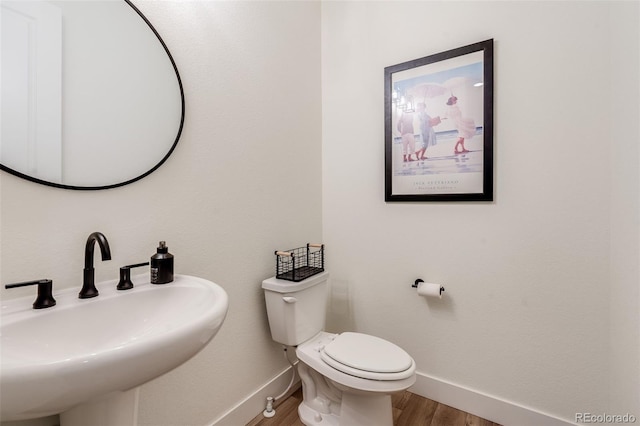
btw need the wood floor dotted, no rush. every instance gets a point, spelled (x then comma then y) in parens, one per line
(409, 409)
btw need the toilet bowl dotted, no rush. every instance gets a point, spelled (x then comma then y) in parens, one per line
(347, 378)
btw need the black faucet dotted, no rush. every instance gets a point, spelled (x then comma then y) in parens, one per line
(45, 297)
(125, 276)
(88, 283)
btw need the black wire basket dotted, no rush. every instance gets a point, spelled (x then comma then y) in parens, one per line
(300, 263)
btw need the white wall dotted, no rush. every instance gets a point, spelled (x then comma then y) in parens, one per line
(243, 181)
(625, 217)
(542, 284)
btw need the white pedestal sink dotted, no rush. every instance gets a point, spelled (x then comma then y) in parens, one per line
(57, 358)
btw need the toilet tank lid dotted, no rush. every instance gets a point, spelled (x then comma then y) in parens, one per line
(285, 286)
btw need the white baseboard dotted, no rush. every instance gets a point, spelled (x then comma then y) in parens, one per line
(482, 405)
(471, 401)
(254, 404)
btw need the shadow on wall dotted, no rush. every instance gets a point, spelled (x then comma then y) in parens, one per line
(443, 307)
(340, 312)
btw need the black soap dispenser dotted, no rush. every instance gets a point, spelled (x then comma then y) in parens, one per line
(162, 265)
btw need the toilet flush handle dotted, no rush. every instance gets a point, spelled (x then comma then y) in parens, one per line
(289, 299)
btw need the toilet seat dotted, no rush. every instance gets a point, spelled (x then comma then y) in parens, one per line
(368, 357)
(310, 353)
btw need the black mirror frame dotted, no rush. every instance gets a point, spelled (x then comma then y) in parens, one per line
(148, 172)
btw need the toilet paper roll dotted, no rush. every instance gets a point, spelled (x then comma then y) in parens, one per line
(430, 290)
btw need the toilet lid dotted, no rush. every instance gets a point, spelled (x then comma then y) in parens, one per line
(368, 356)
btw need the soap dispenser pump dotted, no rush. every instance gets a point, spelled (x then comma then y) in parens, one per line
(162, 265)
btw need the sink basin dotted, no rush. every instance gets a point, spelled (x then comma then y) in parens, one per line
(56, 358)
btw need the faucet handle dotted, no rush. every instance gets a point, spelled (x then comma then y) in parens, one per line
(45, 288)
(125, 276)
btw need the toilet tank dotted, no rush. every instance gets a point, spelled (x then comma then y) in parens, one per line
(296, 310)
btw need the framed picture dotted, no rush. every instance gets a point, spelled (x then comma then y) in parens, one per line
(439, 126)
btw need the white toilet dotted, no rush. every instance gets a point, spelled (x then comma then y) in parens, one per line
(347, 378)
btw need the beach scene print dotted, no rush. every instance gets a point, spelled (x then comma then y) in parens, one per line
(437, 133)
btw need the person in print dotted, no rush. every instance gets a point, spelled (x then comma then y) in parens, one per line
(405, 127)
(465, 126)
(426, 130)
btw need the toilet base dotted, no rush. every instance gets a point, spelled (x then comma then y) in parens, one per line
(355, 410)
(327, 403)
(311, 417)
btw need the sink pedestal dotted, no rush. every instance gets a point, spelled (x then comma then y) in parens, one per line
(115, 409)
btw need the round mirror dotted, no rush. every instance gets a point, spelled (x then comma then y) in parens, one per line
(91, 96)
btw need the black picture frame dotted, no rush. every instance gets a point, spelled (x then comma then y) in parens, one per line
(439, 126)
